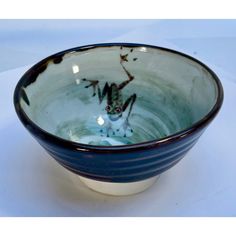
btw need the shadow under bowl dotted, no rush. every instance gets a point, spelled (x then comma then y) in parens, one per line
(118, 114)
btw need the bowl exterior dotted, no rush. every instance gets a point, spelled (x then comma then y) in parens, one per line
(120, 166)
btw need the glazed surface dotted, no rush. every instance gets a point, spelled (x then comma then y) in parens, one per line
(119, 95)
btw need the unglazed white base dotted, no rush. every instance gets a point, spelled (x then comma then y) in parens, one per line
(118, 189)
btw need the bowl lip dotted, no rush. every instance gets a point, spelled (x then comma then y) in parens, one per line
(46, 136)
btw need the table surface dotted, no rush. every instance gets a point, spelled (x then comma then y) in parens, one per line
(33, 184)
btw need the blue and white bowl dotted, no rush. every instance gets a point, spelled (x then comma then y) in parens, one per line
(118, 114)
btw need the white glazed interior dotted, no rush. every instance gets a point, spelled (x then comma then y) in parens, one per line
(173, 92)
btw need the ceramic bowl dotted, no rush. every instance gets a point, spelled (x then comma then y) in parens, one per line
(119, 114)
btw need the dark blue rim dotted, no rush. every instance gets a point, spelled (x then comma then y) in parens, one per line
(27, 79)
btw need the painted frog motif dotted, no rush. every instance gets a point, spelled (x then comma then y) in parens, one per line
(114, 99)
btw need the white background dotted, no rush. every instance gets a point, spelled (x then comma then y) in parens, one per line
(33, 184)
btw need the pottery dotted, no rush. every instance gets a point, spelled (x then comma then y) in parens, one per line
(119, 114)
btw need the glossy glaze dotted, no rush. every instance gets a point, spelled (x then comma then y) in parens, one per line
(176, 97)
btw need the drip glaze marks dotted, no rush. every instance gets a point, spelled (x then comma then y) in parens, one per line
(115, 105)
(34, 73)
(57, 60)
(24, 96)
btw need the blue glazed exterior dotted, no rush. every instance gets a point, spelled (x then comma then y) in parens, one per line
(133, 165)
(121, 164)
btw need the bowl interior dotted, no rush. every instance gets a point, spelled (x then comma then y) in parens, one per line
(118, 95)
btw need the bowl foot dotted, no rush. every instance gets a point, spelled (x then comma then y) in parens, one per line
(118, 189)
